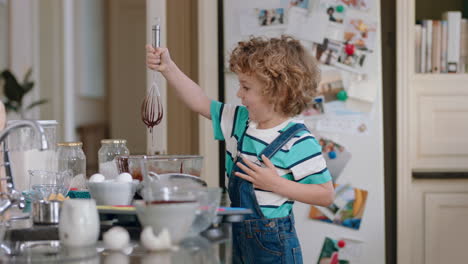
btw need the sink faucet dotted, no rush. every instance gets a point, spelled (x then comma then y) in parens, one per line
(12, 196)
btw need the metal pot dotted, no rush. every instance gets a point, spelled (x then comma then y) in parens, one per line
(46, 212)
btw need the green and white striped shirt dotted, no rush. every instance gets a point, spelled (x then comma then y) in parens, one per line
(298, 160)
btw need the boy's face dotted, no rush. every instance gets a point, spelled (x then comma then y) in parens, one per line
(250, 92)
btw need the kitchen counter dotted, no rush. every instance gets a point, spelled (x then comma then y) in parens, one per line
(28, 243)
(40, 244)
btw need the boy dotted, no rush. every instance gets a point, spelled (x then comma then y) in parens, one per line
(272, 159)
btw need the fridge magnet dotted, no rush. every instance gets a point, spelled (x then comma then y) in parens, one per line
(334, 10)
(336, 156)
(295, 3)
(347, 208)
(331, 252)
(317, 108)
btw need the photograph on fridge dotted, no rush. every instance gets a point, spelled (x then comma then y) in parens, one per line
(362, 5)
(342, 55)
(351, 59)
(330, 85)
(295, 3)
(347, 209)
(327, 52)
(360, 33)
(261, 21)
(270, 17)
(331, 252)
(336, 156)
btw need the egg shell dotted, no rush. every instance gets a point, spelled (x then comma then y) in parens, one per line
(153, 242)
(116, 238)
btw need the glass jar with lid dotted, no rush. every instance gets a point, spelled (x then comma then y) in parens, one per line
(111, 148)
(70, 156)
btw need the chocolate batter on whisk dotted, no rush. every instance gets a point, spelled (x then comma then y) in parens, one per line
(151, 109)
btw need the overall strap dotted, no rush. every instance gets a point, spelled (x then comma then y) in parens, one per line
(241, 138)
(282, 139)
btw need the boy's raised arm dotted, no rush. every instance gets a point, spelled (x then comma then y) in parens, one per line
(187, 90)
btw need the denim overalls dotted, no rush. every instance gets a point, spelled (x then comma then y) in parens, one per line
(258, 239)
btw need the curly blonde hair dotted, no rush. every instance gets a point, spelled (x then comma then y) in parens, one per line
(290, 74)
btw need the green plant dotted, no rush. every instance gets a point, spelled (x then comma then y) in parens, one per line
(14, 92)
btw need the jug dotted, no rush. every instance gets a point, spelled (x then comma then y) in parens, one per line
(79, 223)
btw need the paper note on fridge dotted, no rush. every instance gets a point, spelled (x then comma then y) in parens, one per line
(361, 96)
(300, 25)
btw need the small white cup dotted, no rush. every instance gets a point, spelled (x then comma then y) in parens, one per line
(79, 223)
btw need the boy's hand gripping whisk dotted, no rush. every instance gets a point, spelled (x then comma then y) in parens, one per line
(152, 109)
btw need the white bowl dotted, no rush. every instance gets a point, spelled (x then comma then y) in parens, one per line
(176, 217)
(112, 192)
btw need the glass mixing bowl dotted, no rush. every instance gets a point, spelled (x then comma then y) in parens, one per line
(160, 164)
(44, 183)
(208, 204)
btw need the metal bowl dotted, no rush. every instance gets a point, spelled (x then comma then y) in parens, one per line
(46, 212)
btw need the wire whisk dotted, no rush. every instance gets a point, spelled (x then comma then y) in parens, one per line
(152, 110)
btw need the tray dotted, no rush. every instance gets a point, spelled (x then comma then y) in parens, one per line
(127, 213)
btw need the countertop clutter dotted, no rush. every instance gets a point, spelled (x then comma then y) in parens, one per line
(28, 243)
(145, 209)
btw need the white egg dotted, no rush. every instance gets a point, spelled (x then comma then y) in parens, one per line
(97, 177)
(125, 177)
(116, 238)
(152, 242)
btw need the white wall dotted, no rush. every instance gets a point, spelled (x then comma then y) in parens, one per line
(21, 38)
(3, 34)
(21, 47)
(66, 51)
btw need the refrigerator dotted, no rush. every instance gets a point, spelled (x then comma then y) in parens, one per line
(353, 126)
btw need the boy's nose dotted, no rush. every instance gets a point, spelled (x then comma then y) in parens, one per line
(238, 94)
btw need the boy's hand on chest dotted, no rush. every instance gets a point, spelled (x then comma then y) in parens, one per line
(262, 177)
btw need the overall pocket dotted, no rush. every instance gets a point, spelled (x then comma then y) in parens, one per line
(268, 242)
